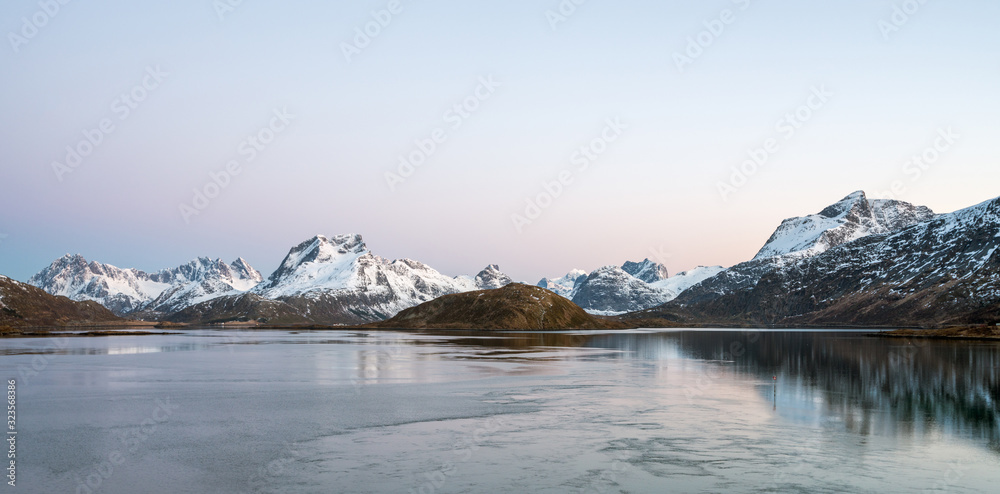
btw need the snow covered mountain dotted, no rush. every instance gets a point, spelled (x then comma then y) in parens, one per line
(610, 290)
(613, 290)
(334, 280)
(942, 270)
(682, 281)
(848, 220)
(489, 279)
(564, 286)
(201, 280)
(855, 216)
(127, 291)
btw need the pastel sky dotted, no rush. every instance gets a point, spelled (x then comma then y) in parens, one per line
(891, 83)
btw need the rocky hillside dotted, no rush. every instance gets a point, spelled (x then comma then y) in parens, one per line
(945, 270)
(23, 305)
(513, 307)
(796, 239)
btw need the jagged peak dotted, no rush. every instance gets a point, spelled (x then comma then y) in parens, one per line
(647, 270)
(849, 219)
(856, 201)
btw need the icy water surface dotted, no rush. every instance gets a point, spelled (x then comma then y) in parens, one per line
(386, 412)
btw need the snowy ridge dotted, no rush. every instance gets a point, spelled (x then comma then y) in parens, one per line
(564, 286)
(941, 270)
(340, 277)
(852, 218)
(614, 290)
(126, 291)
(687, 279)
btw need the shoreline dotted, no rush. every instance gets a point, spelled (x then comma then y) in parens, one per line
(978, 333)
(139, 328)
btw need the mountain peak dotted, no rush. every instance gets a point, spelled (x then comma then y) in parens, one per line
(856, 202)
(849, 219)
(647, 270)
(491, 277)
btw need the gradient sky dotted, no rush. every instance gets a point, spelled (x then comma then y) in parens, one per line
(654, 190)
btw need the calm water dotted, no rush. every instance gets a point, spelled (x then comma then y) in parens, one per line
(385, 412)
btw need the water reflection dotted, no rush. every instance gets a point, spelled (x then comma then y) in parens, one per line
(872, 385)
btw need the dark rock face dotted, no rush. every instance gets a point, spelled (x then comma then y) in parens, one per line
(647, 270)
(239, 308)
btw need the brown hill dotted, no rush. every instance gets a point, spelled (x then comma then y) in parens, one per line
(513, 307)
(22, 305)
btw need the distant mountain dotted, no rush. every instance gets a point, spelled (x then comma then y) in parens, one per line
(337, 280)
(564, 286)
(613, 290)
(488, 278)
(129, 291)
(513, 307)
(936, 271)
(610, 290)
(23, 305)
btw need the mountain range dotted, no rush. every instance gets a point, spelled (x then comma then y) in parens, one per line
(912, 268)
(859, 261)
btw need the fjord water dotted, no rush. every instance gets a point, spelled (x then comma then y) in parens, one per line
(449, 412)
